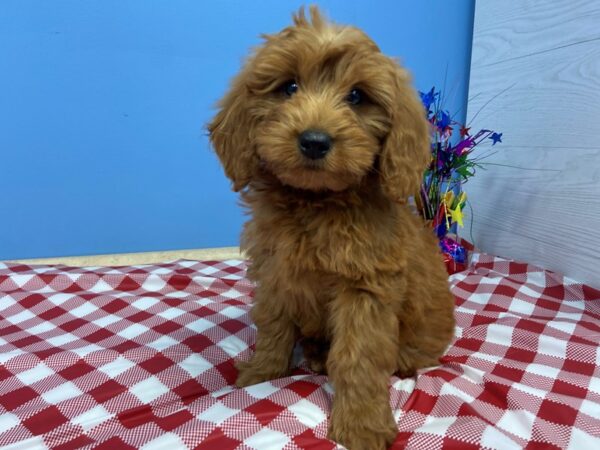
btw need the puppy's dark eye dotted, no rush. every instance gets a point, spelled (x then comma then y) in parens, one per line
(289, 88)
(355, 97)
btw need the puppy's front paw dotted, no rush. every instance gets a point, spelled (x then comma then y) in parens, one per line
(363, 439)
(250, 373)
(362, 433)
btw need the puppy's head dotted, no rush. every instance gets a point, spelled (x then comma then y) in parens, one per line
(319, 106)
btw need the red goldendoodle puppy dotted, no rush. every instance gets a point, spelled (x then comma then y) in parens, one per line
(326, 139)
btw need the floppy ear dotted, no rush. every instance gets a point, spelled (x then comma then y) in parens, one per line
(232, 135)
(406, 150)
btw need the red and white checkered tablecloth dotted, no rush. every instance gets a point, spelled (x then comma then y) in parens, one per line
(142, 357)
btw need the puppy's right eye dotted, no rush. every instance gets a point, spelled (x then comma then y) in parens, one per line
(289, 88)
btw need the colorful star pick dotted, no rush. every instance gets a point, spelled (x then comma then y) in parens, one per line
(429, 97)
(496, 137)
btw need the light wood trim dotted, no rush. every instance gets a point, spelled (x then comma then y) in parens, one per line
(123, 259)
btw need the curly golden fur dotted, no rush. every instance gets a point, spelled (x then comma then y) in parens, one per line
(338, 258)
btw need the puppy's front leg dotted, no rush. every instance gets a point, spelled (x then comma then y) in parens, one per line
(362, 358)
(274, 345)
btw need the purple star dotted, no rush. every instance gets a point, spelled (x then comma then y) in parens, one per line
(462, 145)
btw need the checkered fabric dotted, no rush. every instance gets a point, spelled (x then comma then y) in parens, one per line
(142, 357)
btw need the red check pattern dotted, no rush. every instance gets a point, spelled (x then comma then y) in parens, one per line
(142, 357)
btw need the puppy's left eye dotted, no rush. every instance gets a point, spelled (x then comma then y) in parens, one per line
(289, 88)
(355, 97)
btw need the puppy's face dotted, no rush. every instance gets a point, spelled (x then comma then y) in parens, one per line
(318, 106)
(321, 95)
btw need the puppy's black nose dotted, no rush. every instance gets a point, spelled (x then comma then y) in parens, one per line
(314, 144)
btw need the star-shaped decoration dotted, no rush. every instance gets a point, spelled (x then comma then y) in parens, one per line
(429, 98)
(443, 120)
(457, 215)
(496, 137)
(464, 131)
(453, 206)
(448, 199)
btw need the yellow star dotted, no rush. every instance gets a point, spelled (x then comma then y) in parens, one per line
(457, 215)
(449, 199)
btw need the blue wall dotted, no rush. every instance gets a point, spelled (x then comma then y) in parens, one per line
(103, 103)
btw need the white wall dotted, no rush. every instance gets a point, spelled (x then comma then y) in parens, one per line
(546, 55)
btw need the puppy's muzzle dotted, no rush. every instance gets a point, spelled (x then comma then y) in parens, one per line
(314, 144)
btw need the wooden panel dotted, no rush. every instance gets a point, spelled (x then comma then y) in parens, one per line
(537, 63)
(509, 30)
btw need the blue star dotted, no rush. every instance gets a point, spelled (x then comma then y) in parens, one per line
(429, 97)
(496, 137)
(443, 120)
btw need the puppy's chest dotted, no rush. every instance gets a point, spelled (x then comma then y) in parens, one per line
(333, 243)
